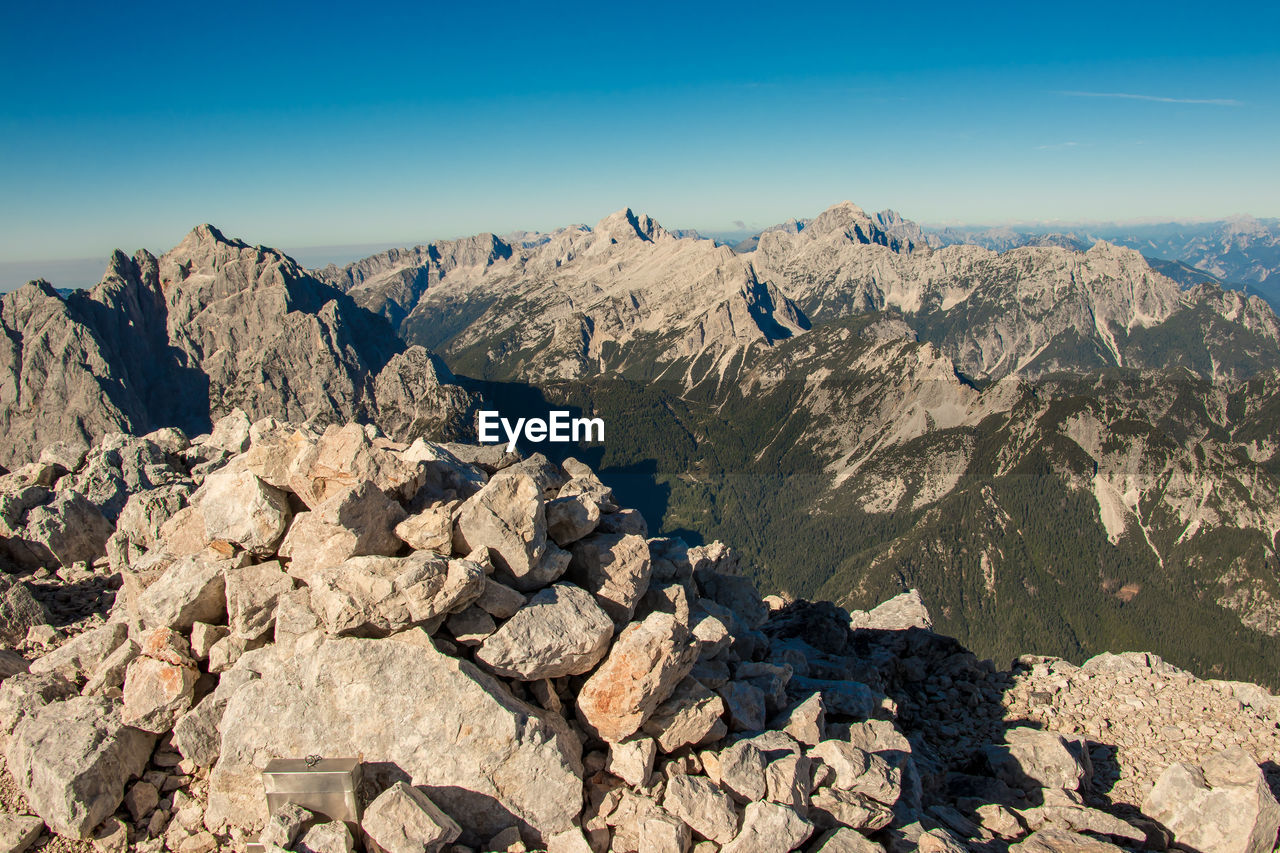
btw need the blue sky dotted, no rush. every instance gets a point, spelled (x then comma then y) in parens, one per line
(302, 125)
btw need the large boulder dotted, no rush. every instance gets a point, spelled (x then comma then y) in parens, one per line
(615, 569)
(402, 819)
(415, 715)
(375, 596)
(1223, 806)
(356, 523)
(72, 759)
(19, 611)
(647, 661)
(67, 530)
(77, 658)
(1031, 758)
(192, 589)
(239, 507)
(561, 631)
(343, 458)
(508, 517)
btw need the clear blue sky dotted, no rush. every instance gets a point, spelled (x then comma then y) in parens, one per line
(298, 125)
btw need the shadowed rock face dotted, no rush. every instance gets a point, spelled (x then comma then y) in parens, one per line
(210, 326)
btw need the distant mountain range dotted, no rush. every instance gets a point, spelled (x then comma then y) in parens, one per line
(1067, 451)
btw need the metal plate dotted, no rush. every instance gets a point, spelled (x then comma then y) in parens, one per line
(327, 787)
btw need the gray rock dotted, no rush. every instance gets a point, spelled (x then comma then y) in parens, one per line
(1058, 840)
(375, 596)
(18, 832)
(67, 530)
(806, 722)
(343, 458)
(788, 781)
(1031, 758)
(230, 432)
(455, 730)
(27, 692)
(845, 840)
(429, 530)
(500, 600)
(742, 770)
(72, 759)
(471, 627)
(897, 614)
(331, 837)
(769, 828)
(80, 657)
(196, 734)
(692, 715)
(561, 631)
(507, 516)
(19, 611)
(402, 819)
(240, 508)
(360, 522)
(285, 825)
(744, 703)
(1223, 806)
(571, 518)
(833, 807)
(631, 760)
(647, 661)
(12, 663)
(110, 674)
(192, 589)
(146, 512)
(252, 595)
(698, 802)
(860, 771)
(615, 569)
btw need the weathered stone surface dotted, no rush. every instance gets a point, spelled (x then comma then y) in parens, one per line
(647, 661)
(285, 825)
(507, 516)
(12, 663)
(631, 760)
(690, 716)
(561, 631)
(624, 521)
(472, 626)
(191, 590)
(1223, 806)
(25, 693)
(203, 636)
(897, 614)
(145, 513)
(500, 600)
(833, 806)
(845, 840)
(196, 734)
(698, 802)
(744, 703)
(455, 731)
(359, 522)
(769, 828)
(402, 819)
(331, 837)
(371, 596)
(67, 530)
(157, 693)
(807, 721)
(109, 675)
(252, 594)
(240, 508)
(742, 770)
(141, 799)
(184, 533)
(343, 458)
(1031, 758)
(571, 518)
(860, 771)
(230, 432)
(664, 834)
(788, 781)
(1056, 840)
(72, 759)
(19, 611)
(615, 569)
(78, 658)
(18, 832)
(429, 530)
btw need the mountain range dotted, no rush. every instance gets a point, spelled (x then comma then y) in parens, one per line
(1067, 451)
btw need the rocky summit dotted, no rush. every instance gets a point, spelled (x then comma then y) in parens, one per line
(517, 665)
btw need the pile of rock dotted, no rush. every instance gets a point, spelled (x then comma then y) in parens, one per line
(516, 664)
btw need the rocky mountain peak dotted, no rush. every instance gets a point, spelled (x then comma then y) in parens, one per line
(624, 225)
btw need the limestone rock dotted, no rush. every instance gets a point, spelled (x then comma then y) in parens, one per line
(647, 661)
(72, 760)
(631, 760)
(807, 721)
(359, 522)
(832, 807)
(67, 530)
(1031, 758)
(157, 693)
(24, 694)
(402, 819)
(230, 432)
(77, 659)
(19, 611)
(331, 837)
(240, 508)
(690, 716)
(252, 593)
(381, 595)
(615, 569)
(1056, 840)
(457, 732)
(507, 516)
(429, 530)
(788, 781)
(742, 770)
(343, 458)
(18, 832)
(860, 771)
(897, 614)
(561, 631)
(500, 600)
(698, 802)
(285, 825)
(769, 828)
(845, 840)
(745, 706)
(1224, 806)
(571, 518)
(192, 589)
(110, 674)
